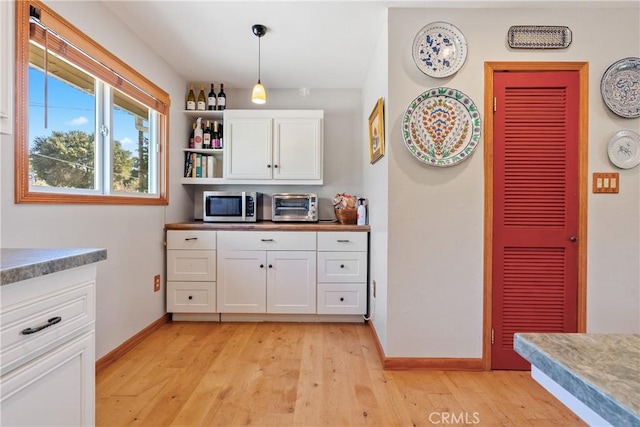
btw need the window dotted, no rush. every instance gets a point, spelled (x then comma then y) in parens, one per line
(89, 129)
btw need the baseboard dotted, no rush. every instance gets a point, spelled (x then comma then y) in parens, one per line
(124, 348)
(424, 363)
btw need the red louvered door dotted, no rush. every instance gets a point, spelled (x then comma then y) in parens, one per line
(535, 270)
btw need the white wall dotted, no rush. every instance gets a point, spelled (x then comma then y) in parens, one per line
(375, 179)
(435, 253)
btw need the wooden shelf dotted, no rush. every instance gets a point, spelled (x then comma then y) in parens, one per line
(202, 181)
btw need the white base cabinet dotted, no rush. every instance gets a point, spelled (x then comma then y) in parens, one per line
(56, 390)
(266, 272)
(342, 273)
(47, 357)
(269, 273)
(191, 271)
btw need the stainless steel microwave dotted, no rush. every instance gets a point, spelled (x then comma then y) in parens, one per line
(294, 207)
(230, 206)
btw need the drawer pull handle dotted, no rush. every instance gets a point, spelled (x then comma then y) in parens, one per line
(190, 297)
(341, 265)
(267, 240)
(341, 298)
(343, 240)
(191, 238)
(50, 322)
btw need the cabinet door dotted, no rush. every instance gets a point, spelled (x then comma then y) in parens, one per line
(56, 389)
(241, 286)
(297, 149)
(291, 282)
(248, 148)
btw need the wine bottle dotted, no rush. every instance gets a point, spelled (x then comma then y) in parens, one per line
(222, 98)
(202, 101)
(198, 134)
(221, 135)
(192, 135)
(216, 135)
(191, 99)
(206, 137)
(211, 99)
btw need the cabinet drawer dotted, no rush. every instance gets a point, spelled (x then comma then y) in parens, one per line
(191, 266)
(198, 239)
(74, 307)
(191, 297)
(342, 298)
(342, 267)
(342, 241)
(267, 240)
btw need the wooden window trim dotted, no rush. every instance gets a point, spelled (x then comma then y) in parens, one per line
(157, 99)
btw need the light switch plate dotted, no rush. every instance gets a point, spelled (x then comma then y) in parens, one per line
(606, 182)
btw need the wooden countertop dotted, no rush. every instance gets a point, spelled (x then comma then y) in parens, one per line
(266, 226)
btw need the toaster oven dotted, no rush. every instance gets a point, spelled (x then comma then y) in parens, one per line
(294, 207)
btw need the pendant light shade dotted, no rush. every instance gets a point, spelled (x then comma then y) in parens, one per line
(259, 93)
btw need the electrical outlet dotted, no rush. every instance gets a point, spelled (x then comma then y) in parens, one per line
(374, 288)
(156, 283)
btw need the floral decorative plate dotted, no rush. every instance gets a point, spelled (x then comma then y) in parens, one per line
(439, 49)
(620, 87)
(441, 127)
(624, 149)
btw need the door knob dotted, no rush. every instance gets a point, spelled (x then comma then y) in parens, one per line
(573, 238)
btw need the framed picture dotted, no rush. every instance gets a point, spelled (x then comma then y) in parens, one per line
(376, 132)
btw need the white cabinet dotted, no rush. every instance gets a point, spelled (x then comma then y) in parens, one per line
(266, 272)
(191, 271)
(342, 273)
(58, 390)
(48, 350)
(273, 146)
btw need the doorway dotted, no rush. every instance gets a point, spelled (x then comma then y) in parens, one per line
(535, 204)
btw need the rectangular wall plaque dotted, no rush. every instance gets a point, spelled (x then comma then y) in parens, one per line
(539, 37)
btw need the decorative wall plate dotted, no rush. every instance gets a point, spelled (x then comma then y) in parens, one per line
(624, 149)
(539, 37)
(620, 87)
(441, 127)
(439, 49)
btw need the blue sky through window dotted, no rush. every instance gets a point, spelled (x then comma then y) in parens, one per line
(72, 109)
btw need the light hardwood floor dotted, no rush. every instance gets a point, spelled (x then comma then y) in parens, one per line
(290, 374)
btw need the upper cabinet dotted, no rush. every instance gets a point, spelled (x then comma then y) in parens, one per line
(273, 146)
(6, 65)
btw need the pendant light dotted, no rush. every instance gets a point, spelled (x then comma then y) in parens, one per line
(259, 94)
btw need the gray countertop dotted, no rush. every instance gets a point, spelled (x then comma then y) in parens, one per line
(600, 370)
(22, 263)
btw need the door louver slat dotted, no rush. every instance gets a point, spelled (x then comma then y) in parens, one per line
(533, 295)
(535, 130)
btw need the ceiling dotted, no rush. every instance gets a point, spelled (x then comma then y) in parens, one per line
(309, 43)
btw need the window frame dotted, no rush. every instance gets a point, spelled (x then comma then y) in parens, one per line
(149, 95)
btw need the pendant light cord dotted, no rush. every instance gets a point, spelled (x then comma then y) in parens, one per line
(259, 57)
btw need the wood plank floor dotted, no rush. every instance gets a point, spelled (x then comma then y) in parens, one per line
(290, 374)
